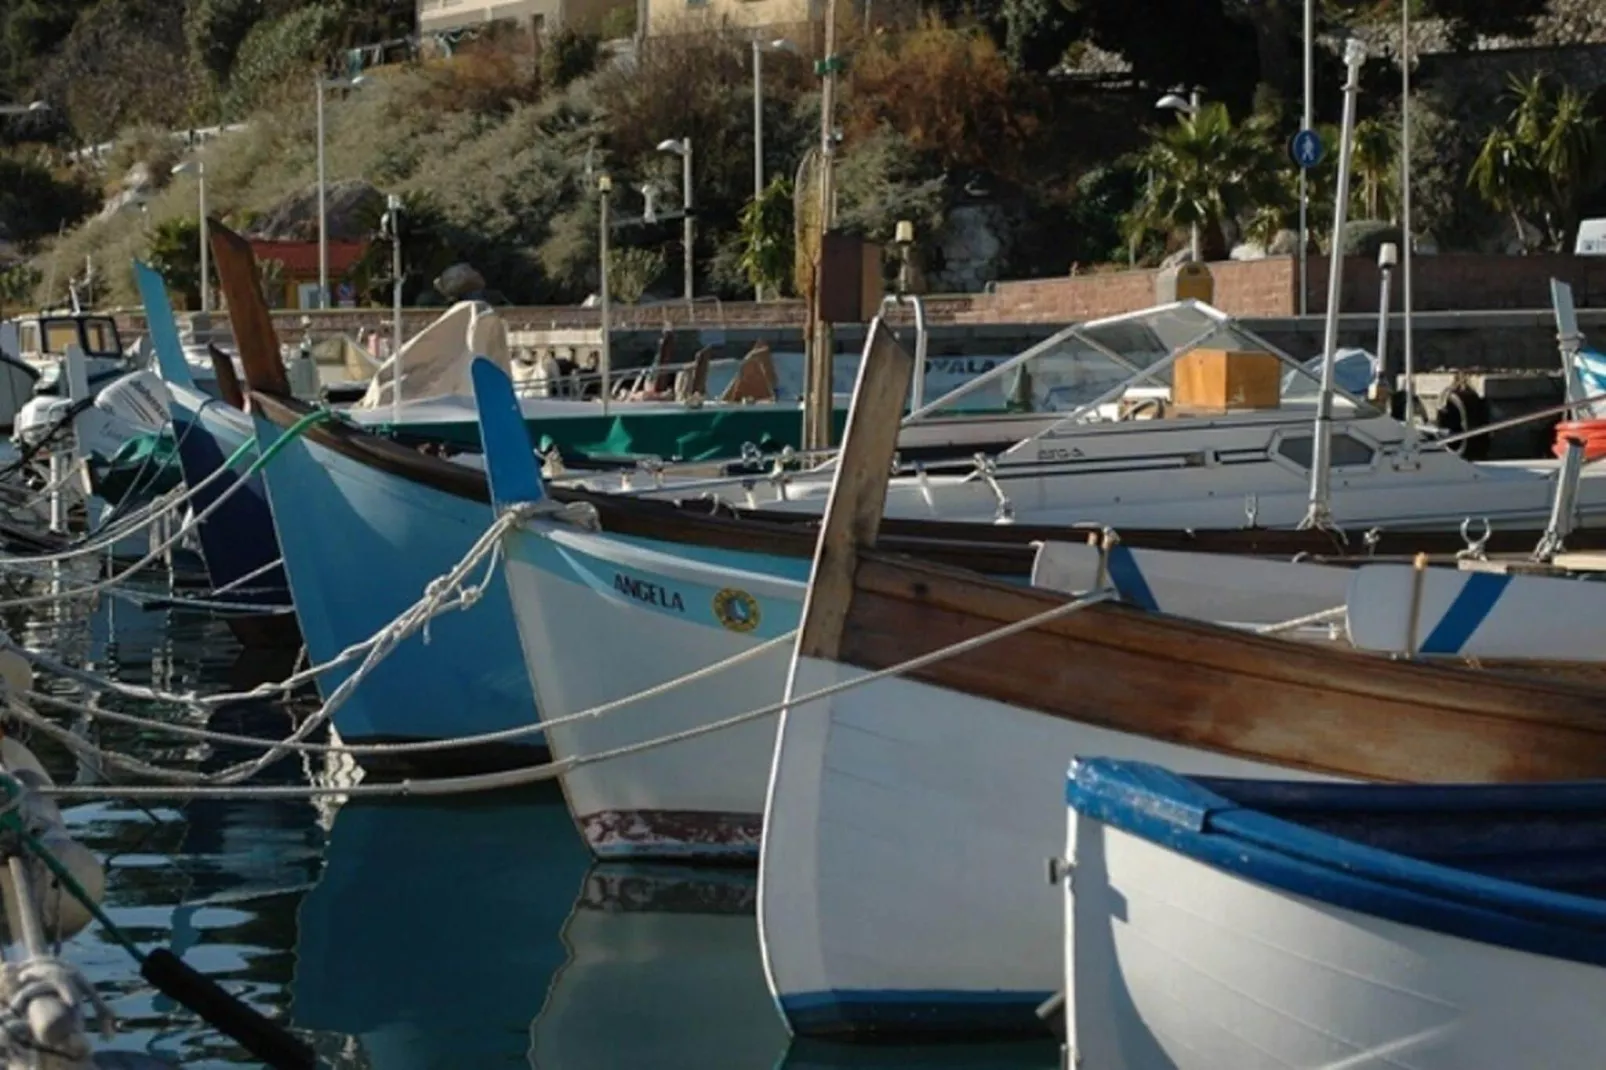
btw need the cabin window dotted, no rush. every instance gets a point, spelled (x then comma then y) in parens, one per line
(1348, 452)
(28, 338)
(59, 334)
(100, 337)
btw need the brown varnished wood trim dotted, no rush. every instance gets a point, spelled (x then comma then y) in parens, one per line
(1200, 685)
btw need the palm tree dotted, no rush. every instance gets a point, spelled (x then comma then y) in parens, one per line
(1504, 177)
(1542, 159)
(1209, 171)
(1374, 158)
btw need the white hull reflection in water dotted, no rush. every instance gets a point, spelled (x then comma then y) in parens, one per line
(663, 972)
(434, 933)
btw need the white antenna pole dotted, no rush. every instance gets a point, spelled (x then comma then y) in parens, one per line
(1319, 513)
(1405, 220)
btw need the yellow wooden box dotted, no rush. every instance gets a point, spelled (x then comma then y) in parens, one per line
(1224, 380)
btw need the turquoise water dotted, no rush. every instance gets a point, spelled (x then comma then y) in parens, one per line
(412, 935)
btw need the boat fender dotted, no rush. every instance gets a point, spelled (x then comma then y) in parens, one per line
(1462, 408)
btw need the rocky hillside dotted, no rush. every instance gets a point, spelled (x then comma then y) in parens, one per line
(986, 130)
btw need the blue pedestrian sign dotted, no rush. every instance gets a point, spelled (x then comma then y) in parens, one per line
(1306, 148)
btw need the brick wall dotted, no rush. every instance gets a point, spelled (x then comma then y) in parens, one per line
(1256, 288)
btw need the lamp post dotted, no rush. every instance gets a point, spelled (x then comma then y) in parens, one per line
(323, 211)
(391, 226)
(779, 44)
(682, 147)
(605, 354)
(198, 169)
(1190, 109)
(24, 109)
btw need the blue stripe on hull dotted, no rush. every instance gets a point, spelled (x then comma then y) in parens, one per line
(916, 1015)
(360, 546)
(238, 539)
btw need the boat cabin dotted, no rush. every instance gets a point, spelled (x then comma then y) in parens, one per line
(44, 339)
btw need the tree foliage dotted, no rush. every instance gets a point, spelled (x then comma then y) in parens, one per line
(950, 92)
(767, 256)
(1540, 162)
(1211, 172)
(175, 251)
(35, 201)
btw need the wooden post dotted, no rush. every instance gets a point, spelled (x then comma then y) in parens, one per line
(228, 384)
(858, 491)
(254, 335)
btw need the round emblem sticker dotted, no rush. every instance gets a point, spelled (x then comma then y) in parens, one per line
(736, 610)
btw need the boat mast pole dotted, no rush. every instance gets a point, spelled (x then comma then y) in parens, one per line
(1405, 220)
(818, 400)
(1319, 513)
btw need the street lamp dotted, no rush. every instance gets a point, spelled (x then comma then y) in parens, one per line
(682, 147)
(779, 44)
(1190, 109)
(24, 109)
(198, 169)
(323, 216)
(605, 357)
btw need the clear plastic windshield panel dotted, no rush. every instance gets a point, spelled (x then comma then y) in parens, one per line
(1121, 368)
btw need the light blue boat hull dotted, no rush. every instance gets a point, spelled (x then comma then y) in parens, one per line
(360, 545)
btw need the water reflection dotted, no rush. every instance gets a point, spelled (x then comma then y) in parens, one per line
(663, 972)
(409, 935)
(434, 932)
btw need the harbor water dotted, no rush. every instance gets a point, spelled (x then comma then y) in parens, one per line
(406, 935)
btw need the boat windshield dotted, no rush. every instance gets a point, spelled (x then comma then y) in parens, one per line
(95, 335)
(1121, 368)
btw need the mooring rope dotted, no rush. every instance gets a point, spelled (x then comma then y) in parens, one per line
(549, 770)
(315, 417)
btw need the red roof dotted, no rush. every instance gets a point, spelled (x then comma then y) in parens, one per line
(301, 257)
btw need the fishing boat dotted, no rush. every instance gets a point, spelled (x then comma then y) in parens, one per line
(900, 867)
(1215, 923)
(237, 539)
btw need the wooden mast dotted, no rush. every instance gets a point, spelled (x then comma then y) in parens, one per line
(254, 333)
(858, 491)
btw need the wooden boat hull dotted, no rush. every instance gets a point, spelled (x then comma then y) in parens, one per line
(1189, 948)
(902, 893)
(605, 617)
(901, 881)
(360, 546)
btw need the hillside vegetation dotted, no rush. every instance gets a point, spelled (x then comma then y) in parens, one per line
(496, 148)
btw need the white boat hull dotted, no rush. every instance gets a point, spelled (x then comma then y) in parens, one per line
(1174, 965)
(901, 886)
(1475, 614)
(601, 618)
(1212, 587)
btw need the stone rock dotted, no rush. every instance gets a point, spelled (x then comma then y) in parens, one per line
(353, 206)
(1286, 243)
(970, 247)
(458, 282)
